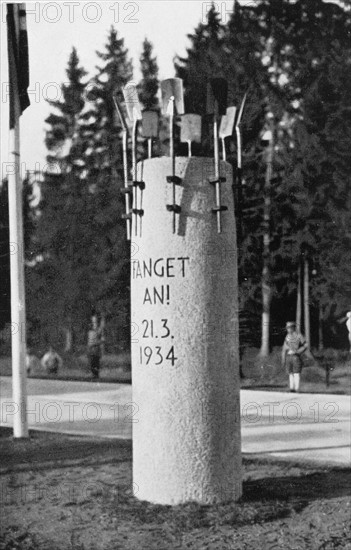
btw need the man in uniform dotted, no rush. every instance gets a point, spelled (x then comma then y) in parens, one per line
(95, 340)
(294, 345)
(348, 326)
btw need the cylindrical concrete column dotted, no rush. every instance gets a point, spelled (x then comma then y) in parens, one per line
(185, 349)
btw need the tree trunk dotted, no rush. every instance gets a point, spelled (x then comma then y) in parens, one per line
(266, 295)
(102, 329)
(320, 329)
(68, 338)
(306, 301)
(266, 279)
(299, 298)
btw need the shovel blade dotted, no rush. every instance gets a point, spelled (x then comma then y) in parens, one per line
(217, 91)
(190, 128)
(150, 124)
(227, 123)
(172, 87)
(131, 99)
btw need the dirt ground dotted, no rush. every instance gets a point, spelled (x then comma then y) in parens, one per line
(70, 493)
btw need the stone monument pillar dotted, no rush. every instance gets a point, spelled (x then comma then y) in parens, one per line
(185, 342)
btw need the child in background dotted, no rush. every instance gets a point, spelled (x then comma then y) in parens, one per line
(294, 345)
(51, 361)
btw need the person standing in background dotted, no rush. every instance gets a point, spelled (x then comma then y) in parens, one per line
(347, 320)
(95, 341)
(294, 345)
(348, 326)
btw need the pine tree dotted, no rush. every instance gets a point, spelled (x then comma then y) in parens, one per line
(63, 234)
(109, 288)
(289, 57)
(326, 112)
(317, 64)
(204, 60)
(304, 43)
(247, 75)
(149, 84)
(148, 94)
(232, 52)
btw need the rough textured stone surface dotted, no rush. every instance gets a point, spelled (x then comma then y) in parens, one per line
(185, 364)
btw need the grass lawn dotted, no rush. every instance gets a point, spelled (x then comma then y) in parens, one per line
(260, 374)
(323, 372)
(114, 368)
(70, 493)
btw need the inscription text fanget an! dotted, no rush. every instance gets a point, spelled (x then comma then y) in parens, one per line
(161, 330)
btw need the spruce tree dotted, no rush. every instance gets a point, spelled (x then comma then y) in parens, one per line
(205, 59)
(149, 84)
(289, 57)
(231, 52)
(63, 233)
(109, 288)
(148, 89)
(304, 42)
(316, 62)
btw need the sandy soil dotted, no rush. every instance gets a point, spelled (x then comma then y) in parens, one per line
(70, 493)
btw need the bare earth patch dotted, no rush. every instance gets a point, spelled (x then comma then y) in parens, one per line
(60, 492)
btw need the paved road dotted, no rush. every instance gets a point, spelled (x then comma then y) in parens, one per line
(295, 426)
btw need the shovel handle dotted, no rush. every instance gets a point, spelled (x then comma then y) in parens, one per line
(224, 154)
(238, 140)
(134, 172)
(126, 186)
(216, 162)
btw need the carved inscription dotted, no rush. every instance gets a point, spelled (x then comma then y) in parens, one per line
(157, 338)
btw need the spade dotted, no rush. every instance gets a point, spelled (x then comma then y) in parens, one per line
(238, 133)
(172, 103)
(134, 114)
(172, 87)
(238, 182)
(226, 127)
(217, 90)
(150, 128)
(190, 130)
(127, 190)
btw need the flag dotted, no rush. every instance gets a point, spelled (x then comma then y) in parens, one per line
(17, 43)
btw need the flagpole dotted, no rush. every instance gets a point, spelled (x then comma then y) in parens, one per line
(18, 311)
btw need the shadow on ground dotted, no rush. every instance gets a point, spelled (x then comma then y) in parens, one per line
(43, 450)
(81, 489)
(55, 451)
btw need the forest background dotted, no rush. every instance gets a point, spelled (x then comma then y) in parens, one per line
(293, 61)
